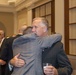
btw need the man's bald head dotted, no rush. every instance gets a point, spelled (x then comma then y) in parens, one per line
(22, 29)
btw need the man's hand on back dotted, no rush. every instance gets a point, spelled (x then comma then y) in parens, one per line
(15, 61)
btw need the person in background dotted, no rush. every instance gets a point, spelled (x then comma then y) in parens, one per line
(7, 53)
(2, 41)
(55, 55)
(27, 30)
(2, 62)
(21, 30)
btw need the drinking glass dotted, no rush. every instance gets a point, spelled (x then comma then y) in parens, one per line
(46, 64)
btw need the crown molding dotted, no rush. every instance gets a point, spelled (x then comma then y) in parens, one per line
(9, 6)
(24, 4)
(19, 5)
(6, 8)
(29, 4)
(19, 2)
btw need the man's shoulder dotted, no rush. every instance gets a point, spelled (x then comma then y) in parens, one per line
(58, 44)
(56, 47)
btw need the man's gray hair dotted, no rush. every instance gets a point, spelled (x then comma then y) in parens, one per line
(43, 21)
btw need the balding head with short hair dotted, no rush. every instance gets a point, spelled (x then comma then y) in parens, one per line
(22, 29)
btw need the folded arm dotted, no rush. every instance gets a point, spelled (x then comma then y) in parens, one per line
(48, 41)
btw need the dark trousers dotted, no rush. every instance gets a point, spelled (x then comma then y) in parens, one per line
(2, 69)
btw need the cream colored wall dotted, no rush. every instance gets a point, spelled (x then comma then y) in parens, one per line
(15, 23)
(21, 18)
(59, 17)
(3, 1)
(8, 21)
(29, 17)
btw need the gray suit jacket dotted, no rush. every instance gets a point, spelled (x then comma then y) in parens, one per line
(30, 47)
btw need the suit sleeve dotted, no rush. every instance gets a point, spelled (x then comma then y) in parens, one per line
(3, 54)
(48, 41)
(65, 67)
(6, 53)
